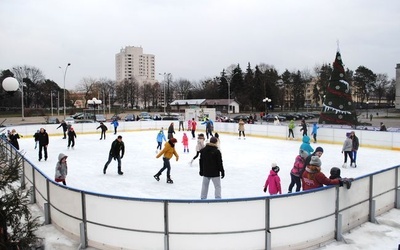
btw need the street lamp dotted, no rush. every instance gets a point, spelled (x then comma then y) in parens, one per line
(266, 100)
(229, 95)
(95, 103)
(65, 74)
(12, 84)
(367, 108)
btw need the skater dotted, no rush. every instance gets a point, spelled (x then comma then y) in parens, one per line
(103, 130)
(36, 137)
(116, 124)
(199, 146)
(347, 150)
(383, 127)
(211, 168)
(209, 127)
(63, 124)
(13, 138)
(356, 145)
(291, 127)
(117, 152)
(273, 181)
(189, 125)
(241, 129)
(181, 120)
(306, 145)
(43, 143)
(313, 177)
(216, 135)
(297, 171)
(276, 121)
(167, 152)
(193, 128)
(185, 142)
(303, 127)
(61, 169)
(314, 132)
(171, 131)
(335, 174)
(71, 137)
(160, 139)
(318, 152)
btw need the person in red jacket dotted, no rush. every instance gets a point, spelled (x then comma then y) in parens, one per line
(313, 177)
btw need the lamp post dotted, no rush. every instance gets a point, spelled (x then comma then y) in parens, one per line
(367, 108)
(266, 100)
(12, 84)
(95, 103)
(65, 74)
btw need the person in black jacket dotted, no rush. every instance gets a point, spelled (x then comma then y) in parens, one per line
(211, 168)
(43, 139)
(103, 130)
(65, 129)
(71, 137)
(117, 146)
(13, 138)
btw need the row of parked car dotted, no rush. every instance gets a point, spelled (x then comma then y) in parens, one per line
(268, 118)
(144, 116)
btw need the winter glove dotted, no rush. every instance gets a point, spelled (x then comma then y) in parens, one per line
(177, 158)
(122, 156)
(115, 158)
(265, 189)
(347, 182)
(222, 175)
(200, 173)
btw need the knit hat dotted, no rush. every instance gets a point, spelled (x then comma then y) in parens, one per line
(173, 140)
(200, 136)
(319, 149)
(303, 153)
(275, 169)
(315, 161)
(213, 140)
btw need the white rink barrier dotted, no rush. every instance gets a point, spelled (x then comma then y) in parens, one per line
(112, 222)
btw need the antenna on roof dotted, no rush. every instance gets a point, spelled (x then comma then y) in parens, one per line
(338, 47)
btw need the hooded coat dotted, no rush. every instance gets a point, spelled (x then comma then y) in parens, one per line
(61, 168)
(306, 145)
(273, 183)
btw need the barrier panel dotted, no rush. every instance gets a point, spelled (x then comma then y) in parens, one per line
(114, 222)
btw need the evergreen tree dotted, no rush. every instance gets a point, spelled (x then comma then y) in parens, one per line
(338, 106)
(17, 226)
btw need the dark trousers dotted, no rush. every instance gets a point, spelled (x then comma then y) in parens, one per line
(193, 133)
(167, 166)
(291, 133)
(115, 131)
(197, 155)
(110, 157)
(350, 154)
(159, 144)
(103, 132)
(209, 132)
(71, 142)
(294, 180)
(44, 148)
(65, 134)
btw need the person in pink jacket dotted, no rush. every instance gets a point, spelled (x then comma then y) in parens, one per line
(185, 141)
(273, 182)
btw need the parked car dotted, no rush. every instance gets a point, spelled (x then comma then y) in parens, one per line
(69, 120)
(53, 120)
(144, 116)
(100, 118)
(77, 116)
(157, 117)
(271, 118)
(245, 118)
(130, 118)
(115, 117)
(170, 118)
(289, 116)
(84, 121)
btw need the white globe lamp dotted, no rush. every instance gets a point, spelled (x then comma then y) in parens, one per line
(10, 84)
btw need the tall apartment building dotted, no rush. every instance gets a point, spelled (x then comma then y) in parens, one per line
(397, 101)
(130, 62)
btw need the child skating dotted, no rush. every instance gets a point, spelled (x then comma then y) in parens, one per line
(185, 142)
(273, 182)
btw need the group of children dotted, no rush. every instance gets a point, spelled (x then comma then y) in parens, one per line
(306, 171)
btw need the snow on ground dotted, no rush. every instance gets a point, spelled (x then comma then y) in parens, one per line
(246, 162)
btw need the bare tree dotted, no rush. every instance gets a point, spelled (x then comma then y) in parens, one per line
(182, 88)
(32, 78)
(87, 86)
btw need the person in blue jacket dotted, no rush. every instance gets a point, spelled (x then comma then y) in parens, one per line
(209, 127)
(306, 145)
(160, 139)
(314, 132)
(116, 124)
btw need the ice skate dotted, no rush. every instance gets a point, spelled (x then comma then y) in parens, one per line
(169, 180)
(157, 177)
(344, 165)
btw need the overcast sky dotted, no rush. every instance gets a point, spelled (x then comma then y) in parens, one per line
(197, 39)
